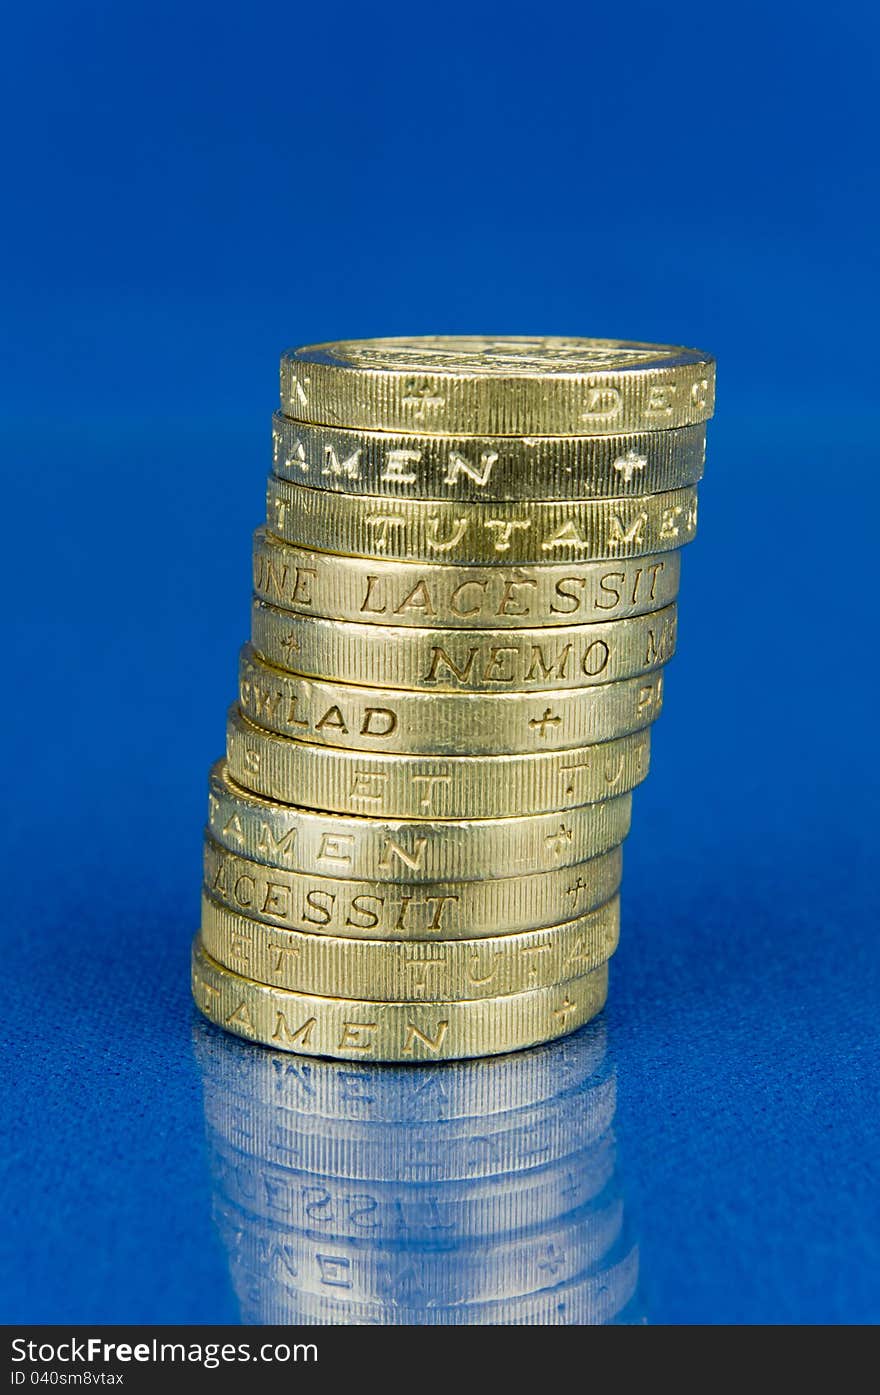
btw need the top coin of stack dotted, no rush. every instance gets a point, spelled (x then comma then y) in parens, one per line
(464, 596)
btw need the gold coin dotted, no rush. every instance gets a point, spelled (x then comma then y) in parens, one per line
(439, 787)
(466, 534)
(413, 971)
(373, 591)
(356, 1030)
(405, 911)
(412, 723)
(504, 386)
(469, 661)
(419, 466)
(410, 852)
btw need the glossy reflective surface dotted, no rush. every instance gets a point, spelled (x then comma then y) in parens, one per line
(741, 1033)
(480, 1192)
(188, 189)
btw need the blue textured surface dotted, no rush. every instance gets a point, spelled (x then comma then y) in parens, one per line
(196, 191)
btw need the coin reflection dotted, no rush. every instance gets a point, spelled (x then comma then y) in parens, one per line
(463, 1193)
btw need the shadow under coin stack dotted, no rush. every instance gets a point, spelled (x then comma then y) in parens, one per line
(464, 598)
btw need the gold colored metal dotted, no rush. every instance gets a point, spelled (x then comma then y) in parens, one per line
(358, 1030)
(431, 787)
(419, 466)
(464, 597)
(478, 661)
(412, 723)
(503, 386)
(468, 534)
(374, 591)
(411, 971)
(404, 911)
(409, 853)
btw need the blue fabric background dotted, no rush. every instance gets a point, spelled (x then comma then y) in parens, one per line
(188, 191)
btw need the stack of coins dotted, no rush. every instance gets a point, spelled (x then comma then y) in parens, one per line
(483, 1192)
(464, 597)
